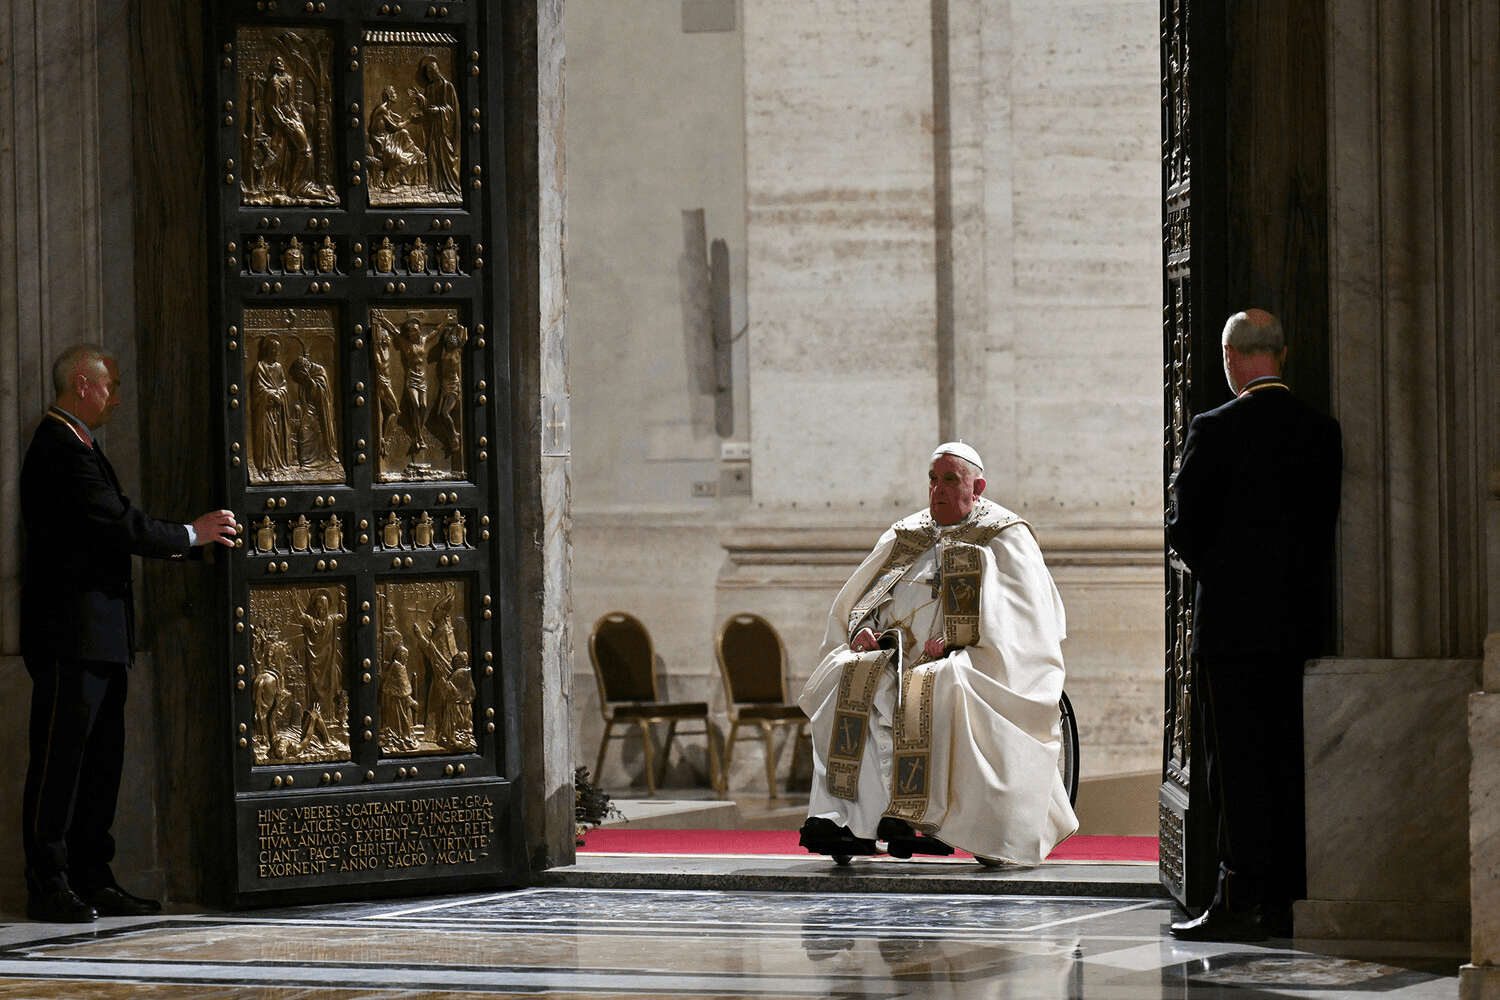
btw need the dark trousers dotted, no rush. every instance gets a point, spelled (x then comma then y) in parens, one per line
(1248, 710)
(73, 778)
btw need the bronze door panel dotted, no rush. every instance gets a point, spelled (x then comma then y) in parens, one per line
(294, 430)
(1193, 303)
(287, 139)
(300, 691)
(412, 154)
(417, 369)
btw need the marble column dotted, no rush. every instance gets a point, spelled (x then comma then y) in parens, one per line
(1412, 158)
(549, 689)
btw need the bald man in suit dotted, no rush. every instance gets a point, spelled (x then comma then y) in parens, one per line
(78, 638)
(1254, 504)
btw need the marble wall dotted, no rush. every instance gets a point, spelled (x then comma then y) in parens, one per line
(67, 275)
(839, 209)
(65, 217)
(654, 129)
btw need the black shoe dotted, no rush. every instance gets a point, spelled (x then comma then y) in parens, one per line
(1219, 924)
(56, 904)
(902, 840)
(112, 901)
(824, 836)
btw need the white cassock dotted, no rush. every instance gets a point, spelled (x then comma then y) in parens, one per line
(965, 746)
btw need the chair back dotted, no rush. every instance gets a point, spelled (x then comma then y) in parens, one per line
(620, 648)
(753, 660)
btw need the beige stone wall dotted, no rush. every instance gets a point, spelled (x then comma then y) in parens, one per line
(654, 128)
(825, 111)
(1057, 254)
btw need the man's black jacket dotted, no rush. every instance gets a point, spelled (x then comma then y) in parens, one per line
(80, 534)
(1254, 505)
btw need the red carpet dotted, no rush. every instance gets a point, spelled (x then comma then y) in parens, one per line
(613, 841)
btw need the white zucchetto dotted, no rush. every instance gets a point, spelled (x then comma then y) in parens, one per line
(960, 450)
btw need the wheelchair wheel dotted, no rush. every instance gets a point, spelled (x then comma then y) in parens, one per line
(1067, 759)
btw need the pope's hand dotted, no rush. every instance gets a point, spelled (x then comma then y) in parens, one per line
(934, 648)
(864, 640)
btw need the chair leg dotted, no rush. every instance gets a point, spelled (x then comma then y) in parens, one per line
(797, 742)
(666, 750)
(609, 726)
(713, 758)
(765, 735)
(645, 728)
(734, 728)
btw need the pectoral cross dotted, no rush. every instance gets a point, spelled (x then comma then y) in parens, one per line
(935, 581)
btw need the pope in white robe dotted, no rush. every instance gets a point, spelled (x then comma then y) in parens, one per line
(958, 732)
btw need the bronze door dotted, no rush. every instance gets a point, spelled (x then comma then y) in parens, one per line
(1193, 298)
(366, 454)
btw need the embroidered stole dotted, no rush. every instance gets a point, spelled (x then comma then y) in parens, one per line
(961, 574)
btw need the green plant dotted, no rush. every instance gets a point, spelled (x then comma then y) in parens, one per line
(590, 806)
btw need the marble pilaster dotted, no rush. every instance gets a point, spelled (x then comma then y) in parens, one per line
(1484, 828)
(66, 223)
(546, 532)
(63, 146)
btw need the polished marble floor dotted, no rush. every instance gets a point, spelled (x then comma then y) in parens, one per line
(601, 944)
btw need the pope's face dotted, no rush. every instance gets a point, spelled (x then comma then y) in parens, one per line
(952, 489)
(97, 382)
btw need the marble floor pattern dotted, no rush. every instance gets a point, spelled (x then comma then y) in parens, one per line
(603, 944)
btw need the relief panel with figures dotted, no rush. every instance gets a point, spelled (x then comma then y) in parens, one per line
(412, 150)
(292, 371)
(299, 688)
(417, 368)
(287, 140)
(426, 678)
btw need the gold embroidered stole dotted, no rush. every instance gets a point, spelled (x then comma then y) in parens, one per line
(909, 784)
(961, 568)
(851, 721)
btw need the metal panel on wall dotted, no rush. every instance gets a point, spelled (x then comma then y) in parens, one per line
(1194, 268)
(364, 387)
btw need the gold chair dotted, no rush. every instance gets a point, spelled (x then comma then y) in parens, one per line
(624, 666)
(753, 662)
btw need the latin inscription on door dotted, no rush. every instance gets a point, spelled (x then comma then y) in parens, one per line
(366, 836)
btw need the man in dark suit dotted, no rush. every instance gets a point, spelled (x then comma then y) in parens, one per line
(1253, 510)
(77, 639)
